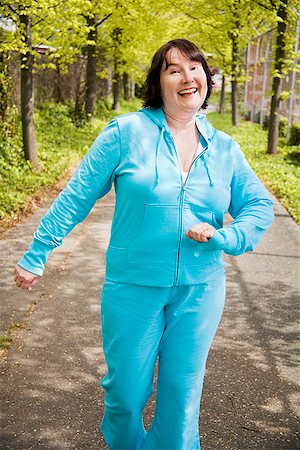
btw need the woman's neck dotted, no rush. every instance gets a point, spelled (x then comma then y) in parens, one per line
(178, 124)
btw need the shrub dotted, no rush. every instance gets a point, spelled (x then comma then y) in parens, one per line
(103, 109)
(282, 125)
(295, 134)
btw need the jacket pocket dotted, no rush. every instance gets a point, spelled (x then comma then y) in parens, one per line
(156, 240)
(194, 253)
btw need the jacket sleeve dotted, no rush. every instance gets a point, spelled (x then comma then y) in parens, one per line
(250, 207)
(92, 180)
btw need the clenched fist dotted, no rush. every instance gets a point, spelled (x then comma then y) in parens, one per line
(201, 232)
(25, 279)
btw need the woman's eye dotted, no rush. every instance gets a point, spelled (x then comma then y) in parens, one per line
(194, 67)
(174, 71)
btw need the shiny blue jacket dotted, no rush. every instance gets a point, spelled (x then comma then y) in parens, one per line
(154, 208)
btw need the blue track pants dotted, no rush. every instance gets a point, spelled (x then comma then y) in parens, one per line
(140, 323)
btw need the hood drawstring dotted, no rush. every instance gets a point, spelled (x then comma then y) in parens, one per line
(156, 156)
(211, 182)
(206, 135)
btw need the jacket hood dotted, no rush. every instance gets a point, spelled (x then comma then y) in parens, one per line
(206, 130)
(158, 117)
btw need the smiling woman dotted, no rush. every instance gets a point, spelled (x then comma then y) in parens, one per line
(164, 288)
(183, 83)
(173, 57)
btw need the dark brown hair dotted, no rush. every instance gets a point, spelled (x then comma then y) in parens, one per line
(152, 95)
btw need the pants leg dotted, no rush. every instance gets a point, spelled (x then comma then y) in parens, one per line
(132, 326)
(192, 317)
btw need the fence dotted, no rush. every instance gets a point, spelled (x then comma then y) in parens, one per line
(50, 84)
(258, 87)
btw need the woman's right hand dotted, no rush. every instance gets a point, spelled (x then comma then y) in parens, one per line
(25, 279)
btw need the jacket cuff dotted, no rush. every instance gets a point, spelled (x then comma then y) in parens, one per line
(35, 258)
(216, 242)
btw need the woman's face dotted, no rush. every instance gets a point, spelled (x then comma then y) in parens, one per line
(183, 84)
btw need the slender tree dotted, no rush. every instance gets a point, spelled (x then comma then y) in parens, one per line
(5, 83)
(59, 26)
(234, 37)
(283, 60)
(58, 95)
(27, 108)
(117, 37)
(80, 90)
(22, 18)
(126, 86)
(222, 96)
(273, 133)
(91, 66)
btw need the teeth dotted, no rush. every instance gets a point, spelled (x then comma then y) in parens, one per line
(188, 91)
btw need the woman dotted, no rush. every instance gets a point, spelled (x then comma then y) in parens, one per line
(175, 177)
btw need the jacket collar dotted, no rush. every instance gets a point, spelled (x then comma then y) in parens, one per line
(157, 115)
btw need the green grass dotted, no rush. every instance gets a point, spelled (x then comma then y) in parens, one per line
(7, 339)
(280, 172)
(5, 342)
(60, 145)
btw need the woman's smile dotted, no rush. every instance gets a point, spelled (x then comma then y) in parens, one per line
(188, 92)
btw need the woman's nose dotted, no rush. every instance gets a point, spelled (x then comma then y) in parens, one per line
(187, 76)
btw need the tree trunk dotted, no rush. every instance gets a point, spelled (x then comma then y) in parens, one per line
(91, 68)
(116, 90)
(222, 96)
(277, 78)
(79, 101)
(116, 82)
(27, 107)
(234, 103)
(132, 89)
(5, 86)
(234, 83)
(126, 85)
(58, 91)
(234, 64)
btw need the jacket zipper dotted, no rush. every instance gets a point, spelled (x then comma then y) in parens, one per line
(181, 207)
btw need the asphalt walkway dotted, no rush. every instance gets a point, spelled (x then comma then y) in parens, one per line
(51, 397)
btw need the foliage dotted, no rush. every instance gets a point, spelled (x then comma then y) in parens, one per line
(280, 172)
(213, 28)
(103, 107)
(295, 134)
(215, 100)
(61, 145)
(60, 26)
(5, 341)
(283, 123)
(134, 32)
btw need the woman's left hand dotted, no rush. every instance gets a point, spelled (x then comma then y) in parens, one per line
(201, 232)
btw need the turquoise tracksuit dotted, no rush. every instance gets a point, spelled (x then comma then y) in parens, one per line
(163, 293)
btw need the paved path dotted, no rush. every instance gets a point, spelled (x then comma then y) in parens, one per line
(50, 393)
